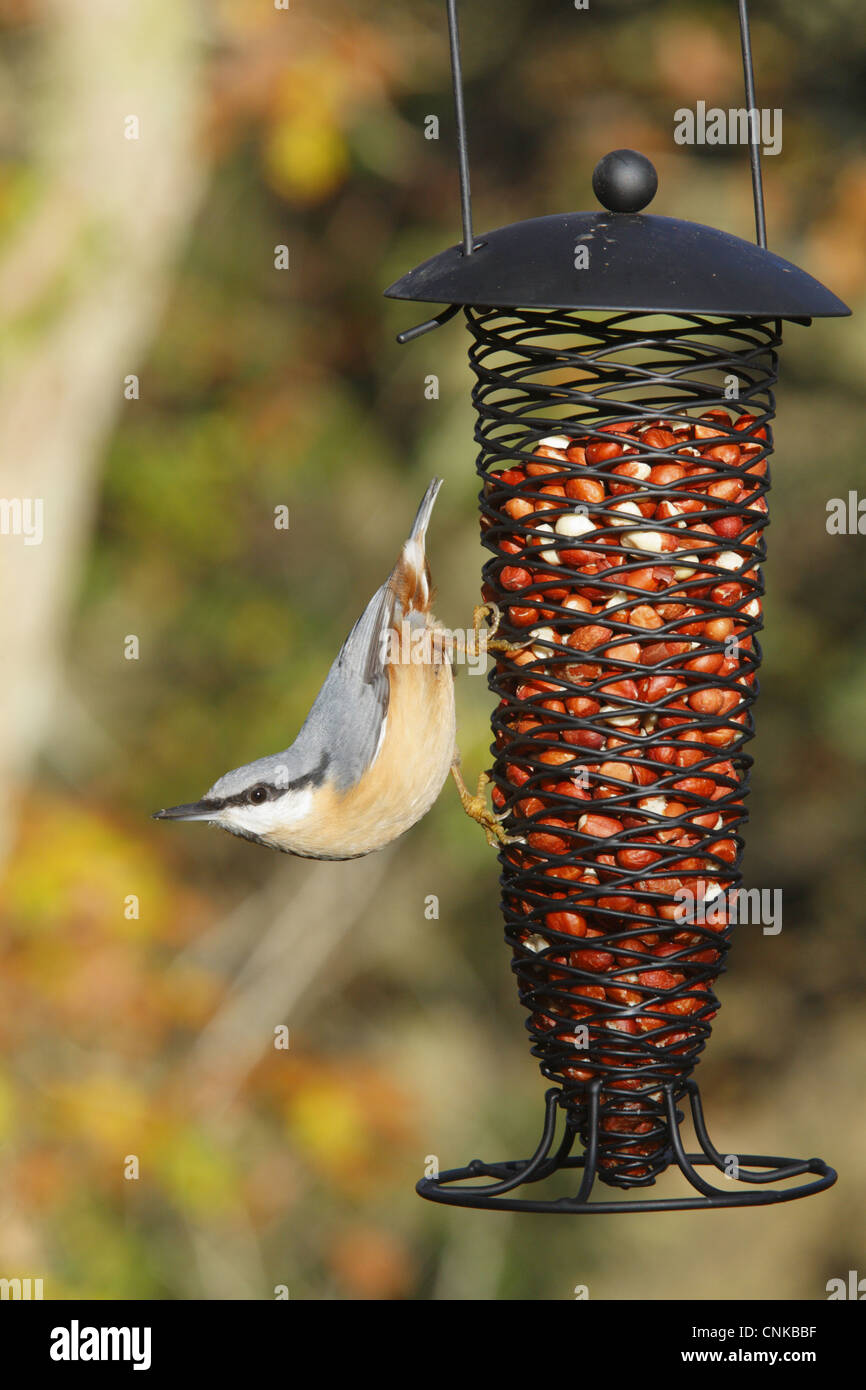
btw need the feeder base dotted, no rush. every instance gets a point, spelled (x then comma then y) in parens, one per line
(513, 1174)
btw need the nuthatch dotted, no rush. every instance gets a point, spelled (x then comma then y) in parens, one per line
(377, 744)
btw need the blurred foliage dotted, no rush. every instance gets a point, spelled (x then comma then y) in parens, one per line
(266, 388)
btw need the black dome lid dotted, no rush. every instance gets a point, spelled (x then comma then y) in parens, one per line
(638, 262)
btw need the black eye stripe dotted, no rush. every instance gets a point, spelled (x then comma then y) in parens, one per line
(273, 790)
(257, 795)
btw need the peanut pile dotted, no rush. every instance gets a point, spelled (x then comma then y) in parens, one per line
(627, 561)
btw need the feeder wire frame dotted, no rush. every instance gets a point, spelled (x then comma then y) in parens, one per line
(549, 372)
(755, 1170)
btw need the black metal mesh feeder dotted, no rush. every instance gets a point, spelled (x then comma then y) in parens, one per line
(624, 405)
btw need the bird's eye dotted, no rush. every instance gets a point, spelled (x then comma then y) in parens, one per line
(258, 795)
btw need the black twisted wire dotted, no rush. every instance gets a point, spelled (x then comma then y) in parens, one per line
(590, 907)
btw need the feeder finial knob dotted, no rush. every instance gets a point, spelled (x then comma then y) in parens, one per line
(624, 181)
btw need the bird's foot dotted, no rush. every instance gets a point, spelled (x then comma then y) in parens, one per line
(475, 806)
(486, 631)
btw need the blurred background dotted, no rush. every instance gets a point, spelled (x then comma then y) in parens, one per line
(164, 389)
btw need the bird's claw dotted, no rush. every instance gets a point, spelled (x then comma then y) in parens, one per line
(475, 806)
(488, 630)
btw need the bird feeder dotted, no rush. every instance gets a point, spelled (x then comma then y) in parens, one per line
(624, 368)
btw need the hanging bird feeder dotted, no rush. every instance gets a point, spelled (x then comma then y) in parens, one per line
(624, 369)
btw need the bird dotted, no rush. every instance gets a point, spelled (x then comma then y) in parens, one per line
(379, 741)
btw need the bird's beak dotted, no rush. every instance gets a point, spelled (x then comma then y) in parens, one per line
(193, 810)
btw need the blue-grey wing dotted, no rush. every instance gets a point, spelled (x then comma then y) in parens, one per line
(348, 715)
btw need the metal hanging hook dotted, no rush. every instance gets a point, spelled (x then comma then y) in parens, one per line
(470, 246)
(410, 334)
(460, 115)
(754, 126)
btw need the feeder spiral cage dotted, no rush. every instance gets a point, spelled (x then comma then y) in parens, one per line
(625, 475)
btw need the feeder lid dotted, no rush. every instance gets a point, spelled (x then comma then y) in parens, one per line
(636, 262)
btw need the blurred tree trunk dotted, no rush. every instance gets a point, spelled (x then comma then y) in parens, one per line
(83, 280)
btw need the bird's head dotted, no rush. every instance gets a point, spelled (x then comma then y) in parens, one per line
(260, 801)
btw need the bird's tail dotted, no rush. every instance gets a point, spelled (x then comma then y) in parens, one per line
(425, 511)
(410, 578)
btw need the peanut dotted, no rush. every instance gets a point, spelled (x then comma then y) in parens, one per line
(618, 610)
